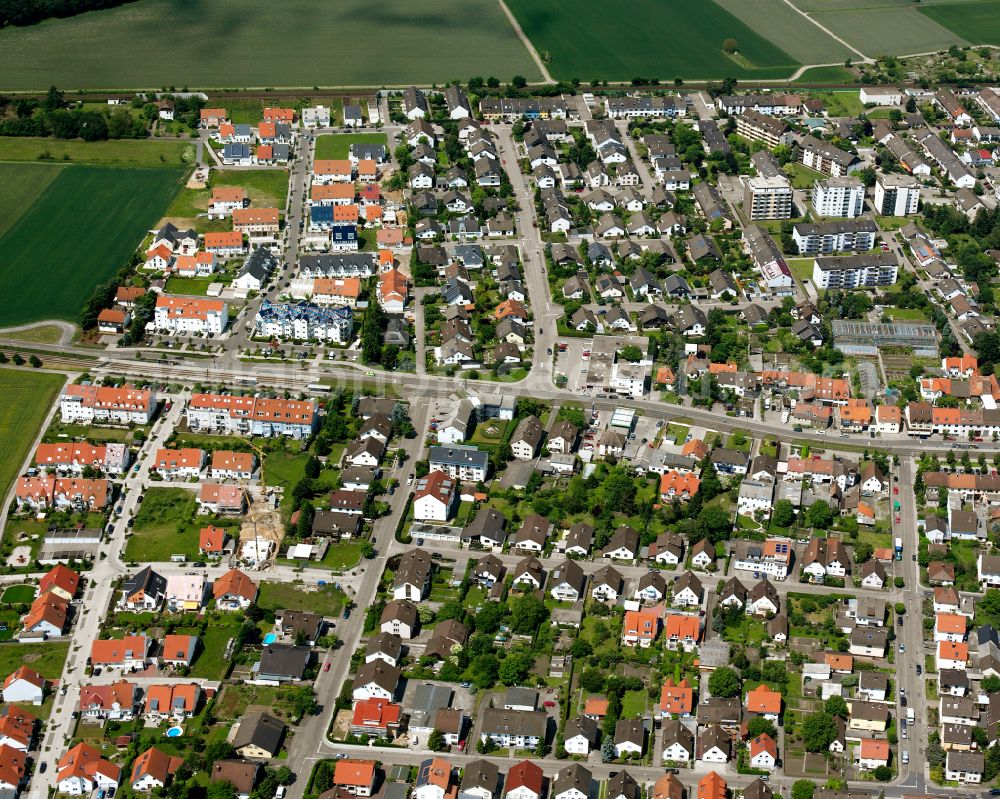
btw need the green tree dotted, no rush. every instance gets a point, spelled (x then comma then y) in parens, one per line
(725, 683)
(515, 668)
(592, 681)
(631, 353)
(484, 670)
(882, 773)
(489, 618)
(819, 515)
(759, 725)
(528, 613)
(220, 790)
(836, 706)
(783, 513)
(436, 742)
(803, 789)
(818, 731)
(862, 551)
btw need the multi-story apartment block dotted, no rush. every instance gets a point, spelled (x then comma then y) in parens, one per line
(839, 196)
(855, 271)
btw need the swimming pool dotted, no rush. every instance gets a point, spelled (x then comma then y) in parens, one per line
(174, 732)
(270, 638)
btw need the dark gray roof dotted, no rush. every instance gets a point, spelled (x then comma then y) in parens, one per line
(261, 730)
(282, 660)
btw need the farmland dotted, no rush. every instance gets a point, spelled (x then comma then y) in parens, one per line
(339, 145)
(119, 152)
(584, 41)
(23, 184)
(27, 397)
(295, 43)
(777, 21)
(888, 30)
(977, 22)
(83, 227)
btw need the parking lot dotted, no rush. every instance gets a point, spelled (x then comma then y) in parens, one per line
(572, 363)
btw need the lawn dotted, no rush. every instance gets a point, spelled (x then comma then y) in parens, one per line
(837, 74)
(284, 596)
(634, 704)
(582, 40)
(294, 44)
(339, 145)
(166, 525)
(267, 188)
(196, 286)
(108, 210)
(342, 555)
(283, 469)
(19, 594)
(41, 334)
(46, 658)
(25, 398)
(210, 663)
(802, 176)
(24, 183)
(678, 432)
(978, 22)
(904, 314)
(113, 152)
(802, 268)
(845, 103)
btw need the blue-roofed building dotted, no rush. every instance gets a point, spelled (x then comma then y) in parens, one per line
(344, 238)
(304, 320)
(461, 462)
(237, 154)
(320, 217)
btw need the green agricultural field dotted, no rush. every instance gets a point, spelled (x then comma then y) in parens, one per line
(294, 43)
(654, 38)
(119, 152)
(339, 145)
(25, 398)
(977, 22)
(78, 233)
(778, 22)
(22, 185)
(888, 30)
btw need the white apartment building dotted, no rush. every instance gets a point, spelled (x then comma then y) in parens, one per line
(839, 196)
(896, 195)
